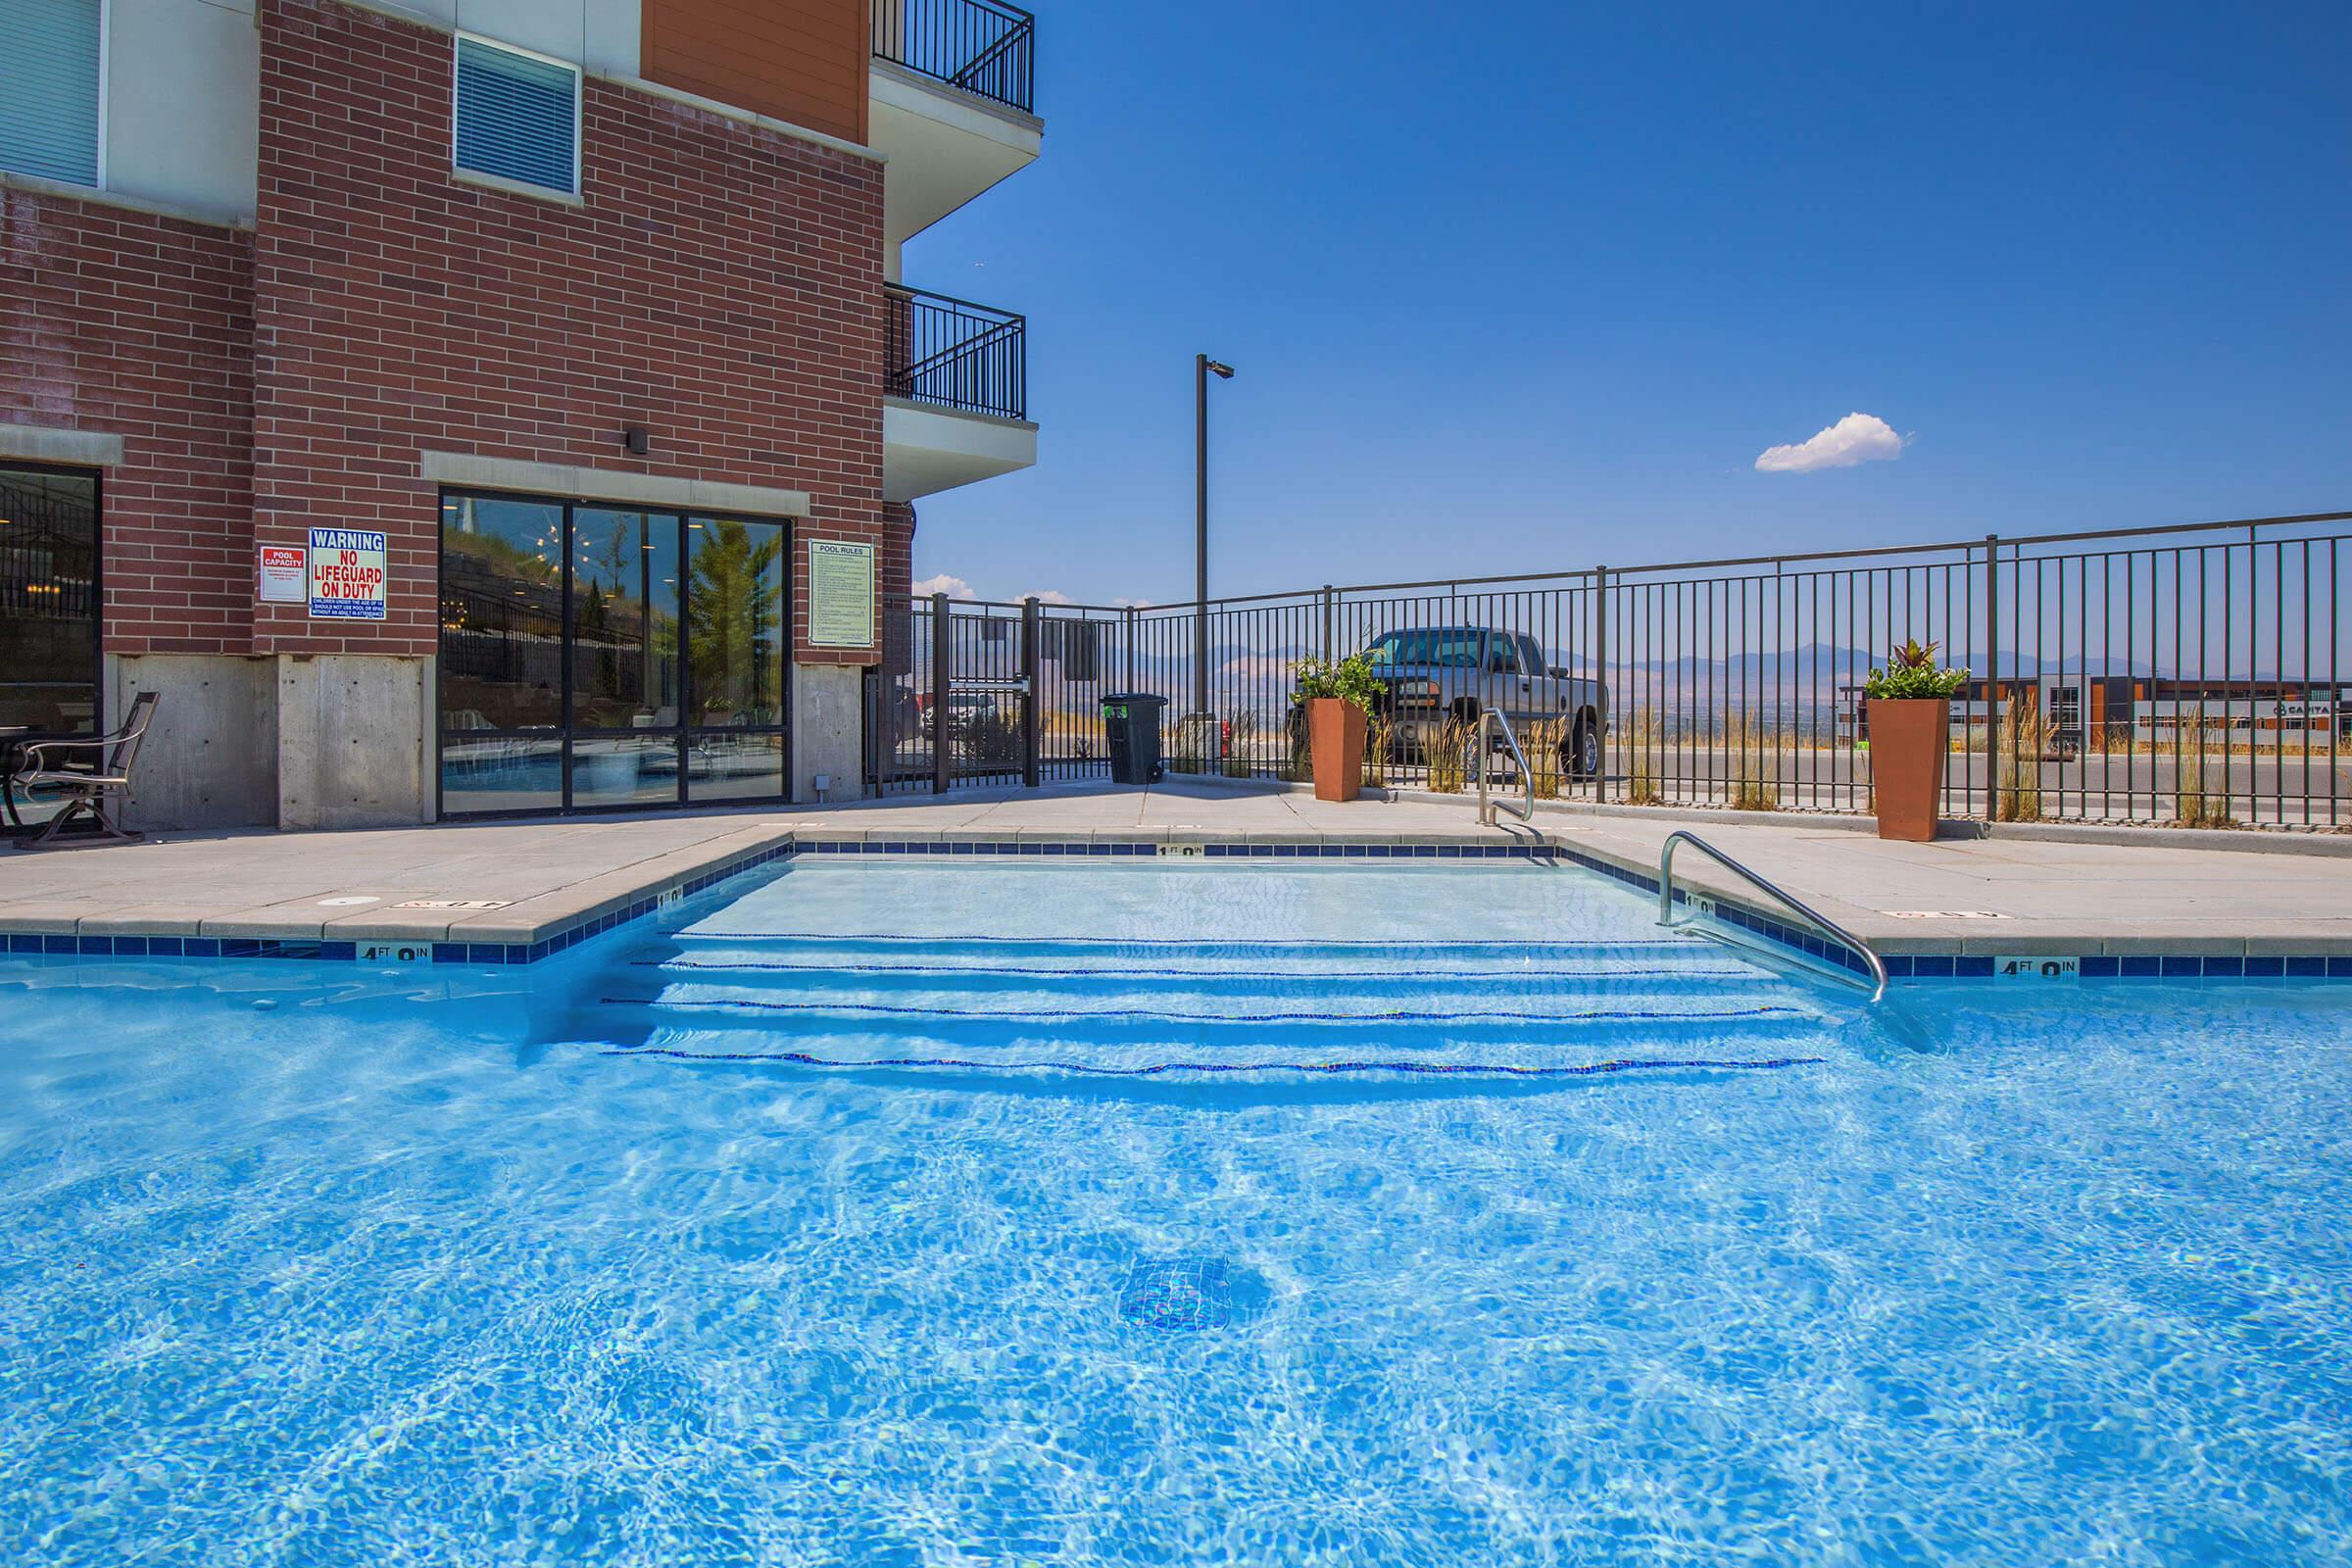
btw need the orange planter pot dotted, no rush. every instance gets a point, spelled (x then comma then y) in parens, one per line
(1334, 732)
(1909, 737)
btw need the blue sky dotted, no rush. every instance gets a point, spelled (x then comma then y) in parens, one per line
(1518, 288)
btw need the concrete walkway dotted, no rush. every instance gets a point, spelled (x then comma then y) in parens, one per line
(515, 882)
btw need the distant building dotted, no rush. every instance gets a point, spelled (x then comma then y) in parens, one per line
(2143, 709)
(589, 309)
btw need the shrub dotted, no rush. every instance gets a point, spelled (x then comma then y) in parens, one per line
(1241, 746)
(1350, 679)
(2025, 737)
(1545, 744)
(1450, 757)
(1641, 750)
(1192, 744)
(1377, 740)
(1752, 789)
(2201, 799)
(991, 738)
(1912, 671)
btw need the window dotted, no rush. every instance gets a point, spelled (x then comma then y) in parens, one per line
(517, 116)
(1503, 656)
(49, 101)
(582, 666)
(1448, 648)
(48, 599)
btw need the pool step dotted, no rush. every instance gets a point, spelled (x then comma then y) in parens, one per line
(1211, 1024)
(1191, 988)
(1094, 1053)
(1144, 1006)
(985, 952)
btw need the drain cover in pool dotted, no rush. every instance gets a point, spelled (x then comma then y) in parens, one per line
(1190, 1293)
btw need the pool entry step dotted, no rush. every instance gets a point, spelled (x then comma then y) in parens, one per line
(1169, 1008)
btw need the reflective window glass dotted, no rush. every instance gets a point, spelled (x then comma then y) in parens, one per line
(49, 600)
(625, 770)
(733, 766)
(735, 628)
(624, 620)
(501, 614)
(481, 772)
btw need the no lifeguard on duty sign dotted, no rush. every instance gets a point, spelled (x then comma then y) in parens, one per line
(347, 574)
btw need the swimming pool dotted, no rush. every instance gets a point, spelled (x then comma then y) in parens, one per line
(906, 1211)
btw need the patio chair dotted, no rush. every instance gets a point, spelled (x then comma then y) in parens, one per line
(90, 790)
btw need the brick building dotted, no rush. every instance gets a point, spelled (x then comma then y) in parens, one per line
(460, 407)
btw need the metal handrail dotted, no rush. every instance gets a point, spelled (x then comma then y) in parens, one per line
(983, 47)
(1526, 809)
(1788, 900)
(954, 352)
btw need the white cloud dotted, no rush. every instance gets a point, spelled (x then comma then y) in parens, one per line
(1048, 596)
(952, 587)
(1856, 438)
(1132, 604)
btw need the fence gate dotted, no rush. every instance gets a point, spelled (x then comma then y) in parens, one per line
(977, 693)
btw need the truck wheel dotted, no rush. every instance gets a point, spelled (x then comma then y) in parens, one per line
(1583, 758)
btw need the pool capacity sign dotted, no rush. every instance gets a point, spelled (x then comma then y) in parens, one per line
(347, 574)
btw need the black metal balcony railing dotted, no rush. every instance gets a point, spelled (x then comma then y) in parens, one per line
(956, 354)
(982, 46)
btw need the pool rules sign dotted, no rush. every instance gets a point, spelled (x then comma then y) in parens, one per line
(347, 574)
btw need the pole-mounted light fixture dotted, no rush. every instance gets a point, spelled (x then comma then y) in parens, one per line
(1202, 368)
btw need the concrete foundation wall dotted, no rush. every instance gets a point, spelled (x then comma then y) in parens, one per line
(355, 741)
(828, 732)
(210, 759)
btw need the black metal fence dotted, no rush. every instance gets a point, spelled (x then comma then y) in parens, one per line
(981, 46)
(2193, 674)
(977, 693)
(954, 353)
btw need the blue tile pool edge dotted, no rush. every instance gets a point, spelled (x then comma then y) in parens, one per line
(1798, 940)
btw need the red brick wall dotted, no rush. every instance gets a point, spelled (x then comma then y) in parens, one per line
(894, 572)
(126, 323)
(719, 285)
(894, 580)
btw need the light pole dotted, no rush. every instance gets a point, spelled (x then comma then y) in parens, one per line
(1203, 365)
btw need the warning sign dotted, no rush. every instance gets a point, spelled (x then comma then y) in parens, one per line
(283, 571)
(347, 574)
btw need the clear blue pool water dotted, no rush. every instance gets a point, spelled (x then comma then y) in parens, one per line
(318, 1265)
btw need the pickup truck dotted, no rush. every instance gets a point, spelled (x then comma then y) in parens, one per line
(1441, 674)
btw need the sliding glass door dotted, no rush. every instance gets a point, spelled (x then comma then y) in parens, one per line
(622, 634)
(604, 658)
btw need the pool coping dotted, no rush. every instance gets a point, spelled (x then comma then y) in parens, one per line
(539, 928)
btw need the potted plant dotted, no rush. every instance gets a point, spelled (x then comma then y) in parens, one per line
(1336, 696)
(1910, 724)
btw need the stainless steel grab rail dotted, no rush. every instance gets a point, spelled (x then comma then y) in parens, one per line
(1788, 900)
(1525, 810)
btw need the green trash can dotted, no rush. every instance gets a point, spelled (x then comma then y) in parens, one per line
(1133, 721)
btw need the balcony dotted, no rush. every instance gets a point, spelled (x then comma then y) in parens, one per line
(952, 93)
(975, 45)
(956, 394)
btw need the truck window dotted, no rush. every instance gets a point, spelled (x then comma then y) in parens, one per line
(1454, 649)
(1531, 658)
(1503, 654)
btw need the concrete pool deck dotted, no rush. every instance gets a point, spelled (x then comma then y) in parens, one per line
(525, 883)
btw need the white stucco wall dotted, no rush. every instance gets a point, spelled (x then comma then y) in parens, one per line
(600, 34)
(182, 104)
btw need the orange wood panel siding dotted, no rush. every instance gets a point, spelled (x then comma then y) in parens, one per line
(802, 61)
